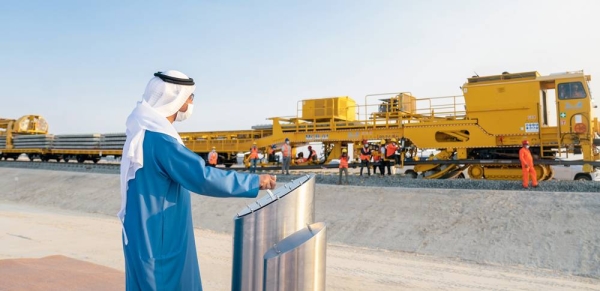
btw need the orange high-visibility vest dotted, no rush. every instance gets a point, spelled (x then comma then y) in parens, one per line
(212, 158)
(344, 162)
(376, 157)
(254, 153)
(390, 150)
(525, 157)
(365, 154)
(286, 150)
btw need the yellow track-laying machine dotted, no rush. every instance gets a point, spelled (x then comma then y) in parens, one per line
(480, 131)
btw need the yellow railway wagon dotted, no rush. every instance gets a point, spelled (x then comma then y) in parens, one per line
(488, 122)
(81, 156)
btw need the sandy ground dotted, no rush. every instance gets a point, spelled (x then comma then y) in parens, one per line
(31, 231)
(545, 230)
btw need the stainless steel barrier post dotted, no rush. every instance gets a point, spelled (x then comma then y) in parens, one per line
(297, 263)
(266, 222)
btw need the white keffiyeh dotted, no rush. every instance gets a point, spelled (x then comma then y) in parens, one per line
(160, 100)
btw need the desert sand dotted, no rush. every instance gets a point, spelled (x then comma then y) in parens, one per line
(390, 238)
(33, 231)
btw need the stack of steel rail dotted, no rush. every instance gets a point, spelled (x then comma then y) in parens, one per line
(113, 141)
(77, 141)
(34, 141)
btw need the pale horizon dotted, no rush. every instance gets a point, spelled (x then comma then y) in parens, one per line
(84, 66)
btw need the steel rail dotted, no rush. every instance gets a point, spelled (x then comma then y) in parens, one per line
(115, 166)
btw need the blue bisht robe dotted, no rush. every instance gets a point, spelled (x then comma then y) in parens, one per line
(161, 250)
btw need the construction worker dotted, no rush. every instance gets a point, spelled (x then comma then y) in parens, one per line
(213, 157)
(253, 158)
(376, 158)
(271, 154)
(577, 91)
(312, 154)
(382, 161)
(344, 165)
(527, 166)
(365, 158)
(300, 159)
(286, 152)
(390, 153)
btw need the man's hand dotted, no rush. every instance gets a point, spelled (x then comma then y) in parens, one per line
(267, 182)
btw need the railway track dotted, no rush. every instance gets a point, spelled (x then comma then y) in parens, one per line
(113, 168)
(73, 167)
(331, 178)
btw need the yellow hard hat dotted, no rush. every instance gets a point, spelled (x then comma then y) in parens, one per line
(393, 140)
(254, 143)
(383, 141)
(344, 150)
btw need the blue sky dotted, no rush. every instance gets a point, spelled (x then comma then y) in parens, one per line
(84, 64)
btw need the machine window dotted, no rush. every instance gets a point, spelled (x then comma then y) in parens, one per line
(573, 90)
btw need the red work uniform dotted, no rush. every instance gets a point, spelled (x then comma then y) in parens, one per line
(253, 153)
(390, 151)
(344, 162)
(343, 168)
(527, 166)
(286, 151)
(212, 159)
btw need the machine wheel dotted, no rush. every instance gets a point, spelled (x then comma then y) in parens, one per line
(80, 160)
(476, 172)
(550, 174)
(95, 160)
(66, 160)
(411, 174)
(541, 171)
(583, 177)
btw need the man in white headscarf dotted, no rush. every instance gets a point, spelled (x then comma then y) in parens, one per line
(157, 173)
